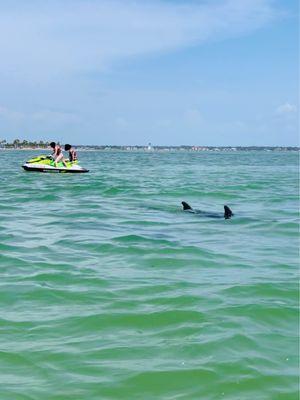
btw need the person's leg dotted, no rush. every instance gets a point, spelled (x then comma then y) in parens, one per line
(59, 158)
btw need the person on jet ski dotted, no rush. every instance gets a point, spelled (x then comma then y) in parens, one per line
(72, 152)
(57, 154)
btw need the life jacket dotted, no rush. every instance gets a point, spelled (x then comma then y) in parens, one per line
(72, 155)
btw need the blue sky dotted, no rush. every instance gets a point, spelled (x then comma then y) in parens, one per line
(218, 72)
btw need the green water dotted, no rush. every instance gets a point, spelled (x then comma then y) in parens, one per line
(109, 291)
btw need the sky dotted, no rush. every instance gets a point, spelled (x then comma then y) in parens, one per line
(169, 72)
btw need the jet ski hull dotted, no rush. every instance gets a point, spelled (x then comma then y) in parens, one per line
(46, 164)
(46, 168)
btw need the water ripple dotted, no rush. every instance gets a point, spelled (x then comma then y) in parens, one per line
(109, 291)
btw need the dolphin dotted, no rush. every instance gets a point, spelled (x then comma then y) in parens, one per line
(227, 212)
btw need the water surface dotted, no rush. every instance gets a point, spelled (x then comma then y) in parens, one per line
(109, 291)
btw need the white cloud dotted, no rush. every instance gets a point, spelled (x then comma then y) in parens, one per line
(47, 39)
(57, 116)
(286, 108)
(44, 116)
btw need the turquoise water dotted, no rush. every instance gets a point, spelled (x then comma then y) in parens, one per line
(109, 291)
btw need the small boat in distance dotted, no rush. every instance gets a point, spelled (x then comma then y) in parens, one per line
(45, 163)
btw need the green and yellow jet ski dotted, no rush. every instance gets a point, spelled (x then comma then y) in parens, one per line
(46, 164)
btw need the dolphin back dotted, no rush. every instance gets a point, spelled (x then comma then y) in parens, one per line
(227, 212)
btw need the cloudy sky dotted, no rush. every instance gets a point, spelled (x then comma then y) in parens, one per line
(210, 72)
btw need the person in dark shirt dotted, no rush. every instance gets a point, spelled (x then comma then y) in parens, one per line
(72, 152)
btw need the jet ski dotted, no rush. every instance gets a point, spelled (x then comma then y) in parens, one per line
(46, 164)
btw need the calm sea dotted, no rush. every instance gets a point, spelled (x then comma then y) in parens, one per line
(109, 291)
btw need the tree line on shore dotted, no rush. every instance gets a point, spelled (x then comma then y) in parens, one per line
(21, 144)
(27, 144)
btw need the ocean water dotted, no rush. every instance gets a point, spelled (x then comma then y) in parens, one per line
(109, 291)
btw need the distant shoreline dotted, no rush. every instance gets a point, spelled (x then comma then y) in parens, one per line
(164, 148)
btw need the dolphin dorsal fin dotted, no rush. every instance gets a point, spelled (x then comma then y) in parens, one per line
(186, 206)
(227, 212)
